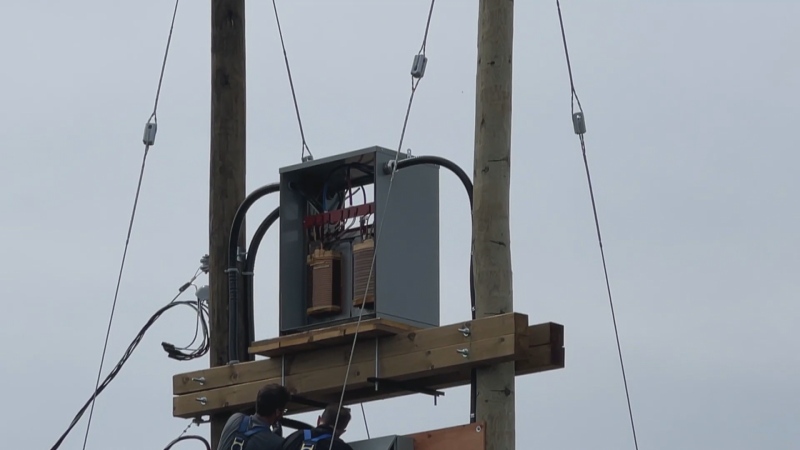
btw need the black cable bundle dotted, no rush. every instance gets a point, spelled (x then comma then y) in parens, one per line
(135, 343)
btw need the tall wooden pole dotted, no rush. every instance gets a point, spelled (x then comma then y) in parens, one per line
(491, 239)
(227, 181)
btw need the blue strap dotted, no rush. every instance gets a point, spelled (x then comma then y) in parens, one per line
(244, 424)
(244, 427)
(319, 438)
(306, 435)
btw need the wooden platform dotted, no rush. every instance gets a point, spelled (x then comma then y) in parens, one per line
(434, 358)
(326, 337)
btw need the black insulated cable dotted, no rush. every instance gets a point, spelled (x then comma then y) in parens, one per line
(233, 269)
(468, 186)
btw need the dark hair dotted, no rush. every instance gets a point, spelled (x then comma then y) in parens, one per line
(329, 416)
(271, 398)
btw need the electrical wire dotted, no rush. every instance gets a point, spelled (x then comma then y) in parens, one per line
(304, 147)
(181, 436)
(414, 84)
(580, 130)
(366, 425)
(154, 120)
(115, 371)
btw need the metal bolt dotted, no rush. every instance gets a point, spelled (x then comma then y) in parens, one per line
(200, 380)
(463, 352)
(203, 400)
(478, 429)
(465, 331)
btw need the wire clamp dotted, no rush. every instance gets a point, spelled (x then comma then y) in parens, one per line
(149, 137)
(579, 123)
(418, 66)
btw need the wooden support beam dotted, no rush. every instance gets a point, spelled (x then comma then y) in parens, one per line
(426, 357)
(463, 437)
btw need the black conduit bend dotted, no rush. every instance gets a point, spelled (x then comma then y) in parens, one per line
(453, 167)
(233, 293)
(186, 438)
(252, 251)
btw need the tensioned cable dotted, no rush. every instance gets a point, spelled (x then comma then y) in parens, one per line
(364, 414)
(580, 129)
(153, 119)
(414, 84)
(304, 147)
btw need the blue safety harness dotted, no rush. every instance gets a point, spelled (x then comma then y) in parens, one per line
(245, 432)
(310, 443)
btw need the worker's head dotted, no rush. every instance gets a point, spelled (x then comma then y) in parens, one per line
(328, 418)
(271, 402)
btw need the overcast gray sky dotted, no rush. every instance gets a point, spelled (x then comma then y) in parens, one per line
(690, 108)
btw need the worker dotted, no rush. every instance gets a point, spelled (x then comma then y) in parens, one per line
(252, 432)
(319, 438)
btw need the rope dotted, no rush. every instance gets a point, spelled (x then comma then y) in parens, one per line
(153, 119)
(414, 84)
(304, 148)
(581, 130)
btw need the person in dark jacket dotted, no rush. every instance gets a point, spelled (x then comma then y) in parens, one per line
(245, 432)
(319, 438)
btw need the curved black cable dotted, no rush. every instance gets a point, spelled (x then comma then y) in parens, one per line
(186, 438)
(233, 279)
(468, 186)
(252, 251)
(115, 371)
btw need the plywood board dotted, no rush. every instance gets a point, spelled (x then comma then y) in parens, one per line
(463, 437)
(325, 337)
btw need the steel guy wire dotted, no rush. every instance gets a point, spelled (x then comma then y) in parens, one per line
(414, 84)
(304, 146)
(153, 118)
(580, 130)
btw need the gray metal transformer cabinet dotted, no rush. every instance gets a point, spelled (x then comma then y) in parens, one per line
(385, 443)
(406, 270)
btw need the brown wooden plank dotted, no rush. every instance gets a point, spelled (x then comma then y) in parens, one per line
(463, 437)
(430, 361)
(388, 346)
(313, 339)
(538, 359)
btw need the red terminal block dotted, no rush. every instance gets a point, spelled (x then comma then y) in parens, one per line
(339, 215)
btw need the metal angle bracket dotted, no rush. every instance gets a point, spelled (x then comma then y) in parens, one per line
(307, 401)
(406, 386)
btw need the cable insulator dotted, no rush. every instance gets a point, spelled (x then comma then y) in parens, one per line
(363, 254)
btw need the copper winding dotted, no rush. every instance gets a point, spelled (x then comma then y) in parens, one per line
(363, 254)
(325, 281)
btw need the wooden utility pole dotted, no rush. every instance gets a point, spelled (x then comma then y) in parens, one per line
(491, 240)
(227, 180)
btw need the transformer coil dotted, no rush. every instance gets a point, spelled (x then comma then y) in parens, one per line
(325, 282)
(363, 254)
